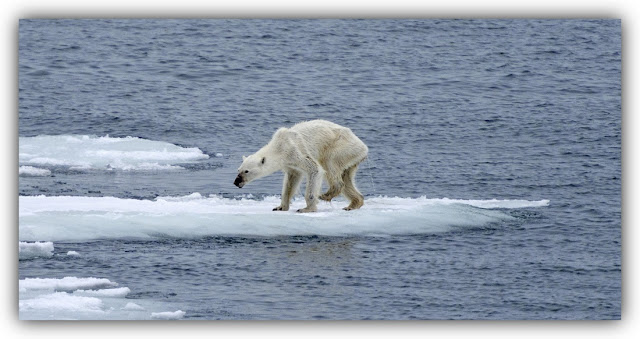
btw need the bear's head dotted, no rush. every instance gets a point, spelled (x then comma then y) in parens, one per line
(253, 167)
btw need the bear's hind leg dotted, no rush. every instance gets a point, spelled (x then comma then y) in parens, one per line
(350, 190)
(348, 151)
(314, 183)
(335, 187)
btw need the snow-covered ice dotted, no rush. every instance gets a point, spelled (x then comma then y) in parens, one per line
(38, 249)
(57, 218)
(84, 152)
(133, 307)
(74, 298)
(168, 315)
(30, 171)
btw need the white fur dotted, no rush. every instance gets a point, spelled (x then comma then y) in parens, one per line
(314, 149)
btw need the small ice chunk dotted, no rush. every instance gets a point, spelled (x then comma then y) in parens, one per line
(132, 307)
(73, 254)
(120, 292)
(61, 301)
(30, 250)
(30, 171)
(168, 315)
(65, 284)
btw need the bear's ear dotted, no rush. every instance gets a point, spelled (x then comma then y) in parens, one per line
(262, 162)
(244, 158)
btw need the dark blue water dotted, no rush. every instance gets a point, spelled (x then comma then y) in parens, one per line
(464, 109)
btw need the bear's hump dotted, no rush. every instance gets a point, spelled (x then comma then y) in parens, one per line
(318, 123)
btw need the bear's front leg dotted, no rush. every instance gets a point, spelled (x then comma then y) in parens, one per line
(289, 187)
(314, 183)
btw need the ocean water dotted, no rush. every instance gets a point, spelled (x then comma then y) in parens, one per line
(492, 187)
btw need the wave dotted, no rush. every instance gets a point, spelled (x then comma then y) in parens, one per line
(69, 218)
(86, 152)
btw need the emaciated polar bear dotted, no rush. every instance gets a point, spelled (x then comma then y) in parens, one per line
(312, 148)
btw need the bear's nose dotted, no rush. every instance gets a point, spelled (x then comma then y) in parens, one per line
(238, 181)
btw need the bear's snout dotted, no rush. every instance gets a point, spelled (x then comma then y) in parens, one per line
(239, 181)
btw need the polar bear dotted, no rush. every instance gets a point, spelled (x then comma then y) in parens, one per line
(313, 149)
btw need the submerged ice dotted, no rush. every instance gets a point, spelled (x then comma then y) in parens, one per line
(56, 218)
(104, 153)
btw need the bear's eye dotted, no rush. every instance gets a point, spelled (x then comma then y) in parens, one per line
(262, 162)
(247, 171)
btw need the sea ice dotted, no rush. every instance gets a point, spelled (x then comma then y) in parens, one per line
(30, 171)
(73, 298)
(83, 152)
(30, 250)
(59, 218)
(133, 307)
(168, 315)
